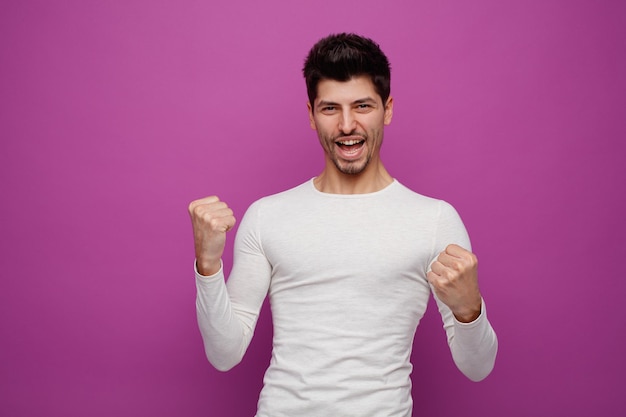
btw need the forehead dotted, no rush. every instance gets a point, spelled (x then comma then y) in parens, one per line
(356, 88)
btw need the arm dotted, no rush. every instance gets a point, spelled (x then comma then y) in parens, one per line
(454, 280)
(227, 312)
(473, 345)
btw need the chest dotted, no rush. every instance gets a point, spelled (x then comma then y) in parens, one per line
(356, 249)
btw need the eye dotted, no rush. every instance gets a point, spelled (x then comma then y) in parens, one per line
(328, 109)
(363, 107)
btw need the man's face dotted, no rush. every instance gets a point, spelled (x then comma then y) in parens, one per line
(349, 118)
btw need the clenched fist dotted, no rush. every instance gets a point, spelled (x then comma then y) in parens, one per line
(454, 279)
(211, 219)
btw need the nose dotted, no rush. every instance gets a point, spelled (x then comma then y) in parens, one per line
(347, 122)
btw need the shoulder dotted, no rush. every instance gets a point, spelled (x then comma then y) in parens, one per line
(281, 201)
(271, 213)
(408, 196)
(292, 194)
(427, 209)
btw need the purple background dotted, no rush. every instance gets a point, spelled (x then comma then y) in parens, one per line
(114, 115)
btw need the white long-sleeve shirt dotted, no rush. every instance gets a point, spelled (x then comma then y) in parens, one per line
(346, 278)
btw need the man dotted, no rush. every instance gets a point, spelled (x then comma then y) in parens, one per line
(348, 259)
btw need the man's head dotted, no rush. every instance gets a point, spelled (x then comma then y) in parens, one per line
(349, 102)
(344, 56)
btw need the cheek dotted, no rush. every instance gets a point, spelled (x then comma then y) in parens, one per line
(325, 139)
(377, 135)
(325, 131)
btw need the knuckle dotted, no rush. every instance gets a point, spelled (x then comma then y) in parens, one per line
(213, 222)
(451, 275)
(206, 217)
(195, 210)
(202, 212)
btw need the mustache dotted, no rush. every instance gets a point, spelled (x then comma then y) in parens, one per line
(353, 134)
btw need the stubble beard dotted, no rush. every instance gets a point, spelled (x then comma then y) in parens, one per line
(348, 167)
(353, 167)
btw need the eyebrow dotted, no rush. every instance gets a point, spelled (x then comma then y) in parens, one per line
(324, 103)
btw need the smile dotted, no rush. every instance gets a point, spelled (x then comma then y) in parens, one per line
(350, 148)
(350, 142)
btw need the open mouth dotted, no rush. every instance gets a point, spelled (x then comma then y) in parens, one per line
(350, 145)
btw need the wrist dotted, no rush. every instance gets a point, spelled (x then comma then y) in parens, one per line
(208, 268)
(469, 315)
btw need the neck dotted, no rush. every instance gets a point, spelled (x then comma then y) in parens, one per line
(333, 181)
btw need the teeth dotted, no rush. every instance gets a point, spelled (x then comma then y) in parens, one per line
(350, 142)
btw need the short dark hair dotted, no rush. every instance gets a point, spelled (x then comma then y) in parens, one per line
(343, 56)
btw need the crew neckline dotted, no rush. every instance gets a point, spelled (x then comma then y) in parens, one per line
(391, 185)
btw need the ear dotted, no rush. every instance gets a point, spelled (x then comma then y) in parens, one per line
(388, 111)
(311, 119)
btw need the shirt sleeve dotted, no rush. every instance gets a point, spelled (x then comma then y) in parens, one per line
(473, 345)
(228, 311)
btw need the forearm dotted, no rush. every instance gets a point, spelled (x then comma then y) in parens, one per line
(473, 345)
(225, 337)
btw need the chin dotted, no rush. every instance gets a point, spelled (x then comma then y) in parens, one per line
(351, 168)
